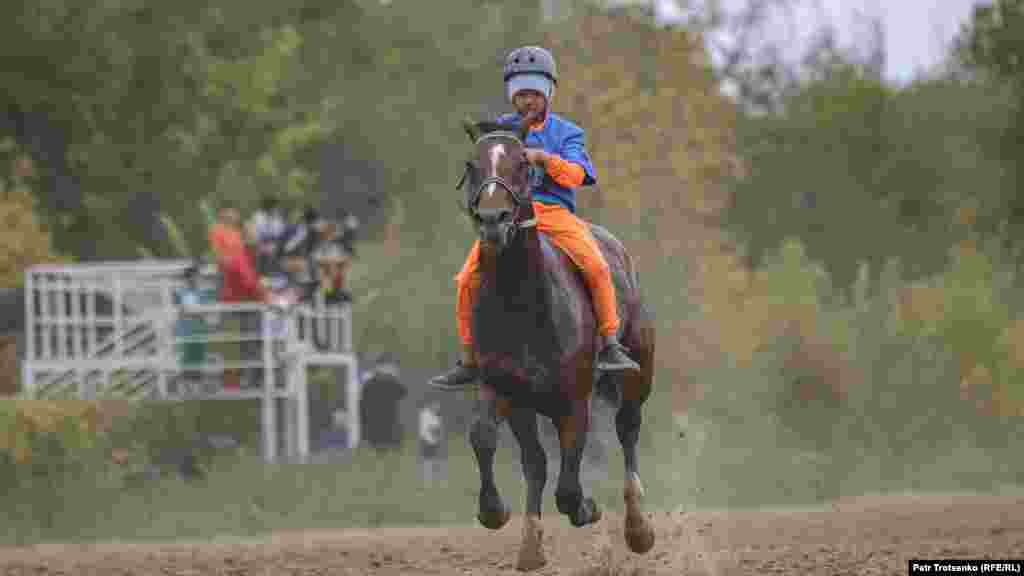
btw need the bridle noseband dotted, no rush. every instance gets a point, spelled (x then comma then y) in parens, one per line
(517, 198)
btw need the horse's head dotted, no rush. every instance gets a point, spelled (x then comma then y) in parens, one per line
(497, 179)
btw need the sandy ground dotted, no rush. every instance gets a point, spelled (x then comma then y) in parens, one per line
(870, 535)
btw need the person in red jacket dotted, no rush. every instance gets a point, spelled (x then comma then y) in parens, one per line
(242, 283)
(226, 235)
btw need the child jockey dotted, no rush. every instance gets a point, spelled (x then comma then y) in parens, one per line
(555, 145)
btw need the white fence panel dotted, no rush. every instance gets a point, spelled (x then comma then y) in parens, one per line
(114, 329)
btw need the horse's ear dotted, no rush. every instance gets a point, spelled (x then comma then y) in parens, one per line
(471, 129)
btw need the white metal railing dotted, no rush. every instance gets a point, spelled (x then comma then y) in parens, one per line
(122, 268)
(73, 348)
(63, 316)
(291, 342)
(65, 323)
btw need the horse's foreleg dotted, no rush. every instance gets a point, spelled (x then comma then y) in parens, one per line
(483, 436)
(569, 498)
(535, 471)
(639, 532)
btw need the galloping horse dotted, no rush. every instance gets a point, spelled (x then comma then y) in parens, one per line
(536, 339)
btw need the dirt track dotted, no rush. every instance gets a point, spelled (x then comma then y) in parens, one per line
(875, 535)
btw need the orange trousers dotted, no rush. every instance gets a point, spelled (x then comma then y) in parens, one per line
(572, 236)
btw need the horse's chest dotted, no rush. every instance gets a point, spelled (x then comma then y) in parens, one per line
(520, 349)
(533, 333)
(537, 331)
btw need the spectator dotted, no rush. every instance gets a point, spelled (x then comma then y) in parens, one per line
(431, 432)
(333, 445)
(302, 237)
(269, 227)
(191, 355)
(296, 248)
(382, 393)
(226, 234)
(349, 229)
(242, 284)
(300, 248)
(334, 263)
(297, 269)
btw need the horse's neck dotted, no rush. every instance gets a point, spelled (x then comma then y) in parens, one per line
(526, 310)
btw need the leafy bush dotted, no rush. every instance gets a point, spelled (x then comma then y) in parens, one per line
(24, 239)
(76, 426)
(780, 425)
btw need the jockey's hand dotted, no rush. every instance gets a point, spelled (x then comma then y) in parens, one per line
(537, 157)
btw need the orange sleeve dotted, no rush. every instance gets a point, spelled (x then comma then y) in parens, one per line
(564, 173)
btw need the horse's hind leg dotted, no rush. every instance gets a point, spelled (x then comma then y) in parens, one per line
(569, 498)
(535, 469)
(483, 436)
(628, 419)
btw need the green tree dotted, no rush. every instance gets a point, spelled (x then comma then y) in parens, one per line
(160, 104)
(848, 151)
(991, 46)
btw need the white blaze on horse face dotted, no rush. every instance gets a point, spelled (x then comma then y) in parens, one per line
(497, 153)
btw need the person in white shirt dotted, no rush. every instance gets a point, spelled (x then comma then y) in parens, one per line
(268, 225)
(431, 432)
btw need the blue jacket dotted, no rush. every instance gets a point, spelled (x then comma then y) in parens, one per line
(562, 137)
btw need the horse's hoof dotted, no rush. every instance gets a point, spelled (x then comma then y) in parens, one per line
(531, 553)
(588, 513)
(494, 519)
(639, 534)
(531, 560)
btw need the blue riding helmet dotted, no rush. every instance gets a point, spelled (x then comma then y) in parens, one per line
(530, 68)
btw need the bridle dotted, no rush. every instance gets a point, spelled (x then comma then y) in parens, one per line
(517, 198)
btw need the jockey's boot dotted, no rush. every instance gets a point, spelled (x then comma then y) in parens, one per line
(613, 358)
(462, 376)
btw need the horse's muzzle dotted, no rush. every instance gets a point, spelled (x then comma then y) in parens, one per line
(497, 235)
(497, 231)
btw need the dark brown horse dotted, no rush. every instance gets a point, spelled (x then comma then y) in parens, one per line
(536, 339)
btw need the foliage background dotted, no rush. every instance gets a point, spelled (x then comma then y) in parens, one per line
(835, 277)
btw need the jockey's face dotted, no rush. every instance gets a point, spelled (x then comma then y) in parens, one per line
(530, 102)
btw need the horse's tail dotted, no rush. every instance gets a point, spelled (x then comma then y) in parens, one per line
(632, 272)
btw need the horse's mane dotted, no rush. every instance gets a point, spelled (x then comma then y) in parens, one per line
(488, 127)
(478, 130)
